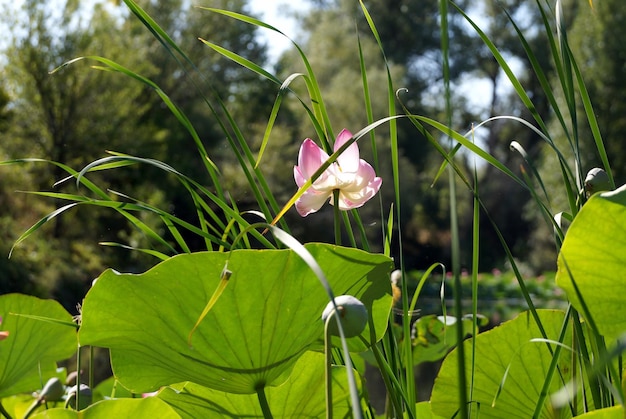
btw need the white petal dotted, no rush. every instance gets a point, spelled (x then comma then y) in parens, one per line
(349, 199)
(311, 202)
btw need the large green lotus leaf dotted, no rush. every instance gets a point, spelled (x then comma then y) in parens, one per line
(17, 406)
(615, 412)
(423, 411)
(146, 408)
(593, 255)
(28, 355)
(268, 315)
(302, 395)
(506, 346)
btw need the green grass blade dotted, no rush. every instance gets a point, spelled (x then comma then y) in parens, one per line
(538, 71)
(154, 27)
(151, 252)
(388, 232)
(120, 207)
(319, 109)
(367, 100)
(40, 223)
(409, 382)
(244, 62)
(221, 203)
(517, 86)
(593, 123)
(554, 365)
(454, 224)
(284, 88)
(470, 146)
(175, 110)
(475, 268)
(73, 174)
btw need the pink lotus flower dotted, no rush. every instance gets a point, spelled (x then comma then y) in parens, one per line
(352, 176)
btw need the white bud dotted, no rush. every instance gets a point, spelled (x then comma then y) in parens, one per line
(352, 313)
(396, 277)
(53, 391)
(596, 181)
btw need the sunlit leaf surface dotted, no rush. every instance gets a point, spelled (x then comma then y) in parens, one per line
(268, 315)
(507, 347)
(143, 408)
(28, 355)
(593, 257)
(301, 396)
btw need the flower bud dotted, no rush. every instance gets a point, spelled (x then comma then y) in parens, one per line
(85, 397)
(596, 181)
(352, 313)
(53, 391)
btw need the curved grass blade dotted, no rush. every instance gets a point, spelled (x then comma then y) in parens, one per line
(319, 109)
(242, 61)
(121, 207)
(593, 123)
(284, 89)
(40, 223)
(74, 174)
(228, 127)
(228, 211)
(151, 252)
(176, 111)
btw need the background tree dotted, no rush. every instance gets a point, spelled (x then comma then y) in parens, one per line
(68, 118)
(74, 115)
(211, 79)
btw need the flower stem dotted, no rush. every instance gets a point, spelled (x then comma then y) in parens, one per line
(78, 362)
(265, 407)
(328, 346)
(337, 217)
(4, 413)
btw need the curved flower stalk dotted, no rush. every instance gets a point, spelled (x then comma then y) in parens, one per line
(353, 316)
(352, 176)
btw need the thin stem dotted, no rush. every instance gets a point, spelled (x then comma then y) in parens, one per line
(475, 265)
(554, 362)
(265, 407)
(91, 367)
(4, 412)
(328, 365)
(407, 350)
(33, 407)
(78, 360)
(395, 396)
(337, 217)
(454, 221)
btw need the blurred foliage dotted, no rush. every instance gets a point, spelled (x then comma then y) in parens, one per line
(499, 293)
